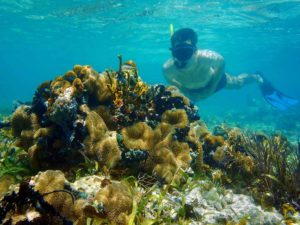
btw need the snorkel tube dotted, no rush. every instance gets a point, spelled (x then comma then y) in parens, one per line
(171, 30)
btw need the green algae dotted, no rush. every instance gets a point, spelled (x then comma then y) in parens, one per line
(14, 161)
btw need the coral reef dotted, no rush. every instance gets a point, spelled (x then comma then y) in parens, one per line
(157, 148)
(100, 143)
(148, 155)
(112, 117)
(268, 166)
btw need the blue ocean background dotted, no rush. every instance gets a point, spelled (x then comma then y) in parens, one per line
(41, 39)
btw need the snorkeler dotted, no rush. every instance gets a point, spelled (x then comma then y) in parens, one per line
(200, 73)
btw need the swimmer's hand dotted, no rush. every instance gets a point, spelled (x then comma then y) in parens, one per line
(176, 83)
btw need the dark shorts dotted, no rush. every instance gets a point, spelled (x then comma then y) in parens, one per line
(222, 83)
(193, 94)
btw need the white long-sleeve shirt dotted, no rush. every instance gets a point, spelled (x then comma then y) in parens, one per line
(201, 75)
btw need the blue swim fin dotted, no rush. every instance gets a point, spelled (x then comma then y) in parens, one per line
(275, 97)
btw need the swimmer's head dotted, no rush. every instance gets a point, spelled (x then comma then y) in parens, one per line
(183, 43)
(183, 35)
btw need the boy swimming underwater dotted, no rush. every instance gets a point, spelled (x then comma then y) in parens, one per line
(200, 73)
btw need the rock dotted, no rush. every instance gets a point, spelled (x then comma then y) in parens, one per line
(194, 198)
(229, 197)
(209, 206)
(89, 184)
(64, 109)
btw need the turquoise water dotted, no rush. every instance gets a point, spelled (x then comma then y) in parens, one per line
(42, 39)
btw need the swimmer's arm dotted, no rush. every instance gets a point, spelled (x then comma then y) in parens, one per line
(175, 82)
(167, 71)
(236, 82)
(172, 80)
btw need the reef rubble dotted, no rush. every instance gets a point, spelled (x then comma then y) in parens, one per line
(109, 200)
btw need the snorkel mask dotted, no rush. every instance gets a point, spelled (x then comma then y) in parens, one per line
(183, 43)
(183, 52)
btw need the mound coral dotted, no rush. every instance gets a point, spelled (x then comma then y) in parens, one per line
(100, 143)
(59, 85)
(106, 115)
(51, 184)
(107, 151)
(138, 136)
(168, 157)
(23, 125)
(95, 126)
(173, 153)
(177, 118)
(163, 153)
(43, 200)
(117, 202)
(70, 76)
(98, 87)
